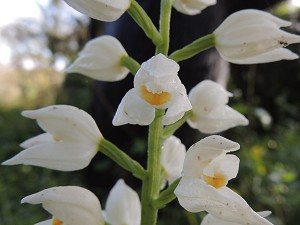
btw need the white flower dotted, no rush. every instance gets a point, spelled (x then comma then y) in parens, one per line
(192, 7)
(172, 158)
(252, 36)
(211, 220)
(69, 205)
(123, 205)
(206, 171)
(100, 59)
(104, 10)
(156, 85)
(70, 141)
(210, 112)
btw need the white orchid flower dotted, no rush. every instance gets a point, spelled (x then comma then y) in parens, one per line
(192, 7)
(156, 86)
(210, 112)
(70, 141)
(206, 171)
(211, 220)
(69, 205)
(123, 205)
(100, 59)
(103, 10)
(252, 36)
(172, 158)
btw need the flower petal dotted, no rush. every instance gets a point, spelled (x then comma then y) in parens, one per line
(100, 59)
(192, 7)
(70, 204)
(172, 158)
(39, 139)
(66, 123)
(123, 205)
(133, 110)
(217, 120)
(103, 10)
(202, 153)
(195, 195)
(56, 155)
(253, 36)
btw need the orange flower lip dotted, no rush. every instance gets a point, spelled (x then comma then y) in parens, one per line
(218, 181)
(154, 98)
(57, 222)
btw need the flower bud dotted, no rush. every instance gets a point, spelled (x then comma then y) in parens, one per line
(192, 7)
(104, 10)
(100, 59)
(252, 36)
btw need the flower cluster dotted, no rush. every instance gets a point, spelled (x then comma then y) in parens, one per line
(197, 177)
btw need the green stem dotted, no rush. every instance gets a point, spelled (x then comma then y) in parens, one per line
(144, 21)
(130, 63)
(151, 185)
(194, 48)
(164, 26)
(121, 158)
(170, 129)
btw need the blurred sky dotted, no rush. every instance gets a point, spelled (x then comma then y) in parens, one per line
(11, 11)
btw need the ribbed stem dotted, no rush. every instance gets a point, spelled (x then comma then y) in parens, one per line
(151, 185)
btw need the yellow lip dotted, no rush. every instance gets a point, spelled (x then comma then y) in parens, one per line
(155, 98)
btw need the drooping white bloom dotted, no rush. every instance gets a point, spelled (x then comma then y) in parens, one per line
(192, 7)
(206, 171)
(69, 205)
(70, 141)
(210, 112)
(252, 36)
(172, 158)
(100, 59)
(123, 205)
(156, 85)
(211, 220)
(103, 10)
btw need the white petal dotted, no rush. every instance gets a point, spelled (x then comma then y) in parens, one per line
(66, 123)
(195, 196)
(227, 165)
(158, 66)
(56, 155)
(157, 75)
(123, 205)
(172, 158)
(177, 107)
(217, 120)
(133, 110)
(207, 95)
(200, 154)
(70, 204)
(100, 59)
(211, 220)
(192, 7)
(272, 56)
(39, 139)
(253, 36)
(104, 10)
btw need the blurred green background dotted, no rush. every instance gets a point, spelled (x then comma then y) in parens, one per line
(267, 94)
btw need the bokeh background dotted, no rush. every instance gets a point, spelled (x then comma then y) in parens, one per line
(40, 38)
